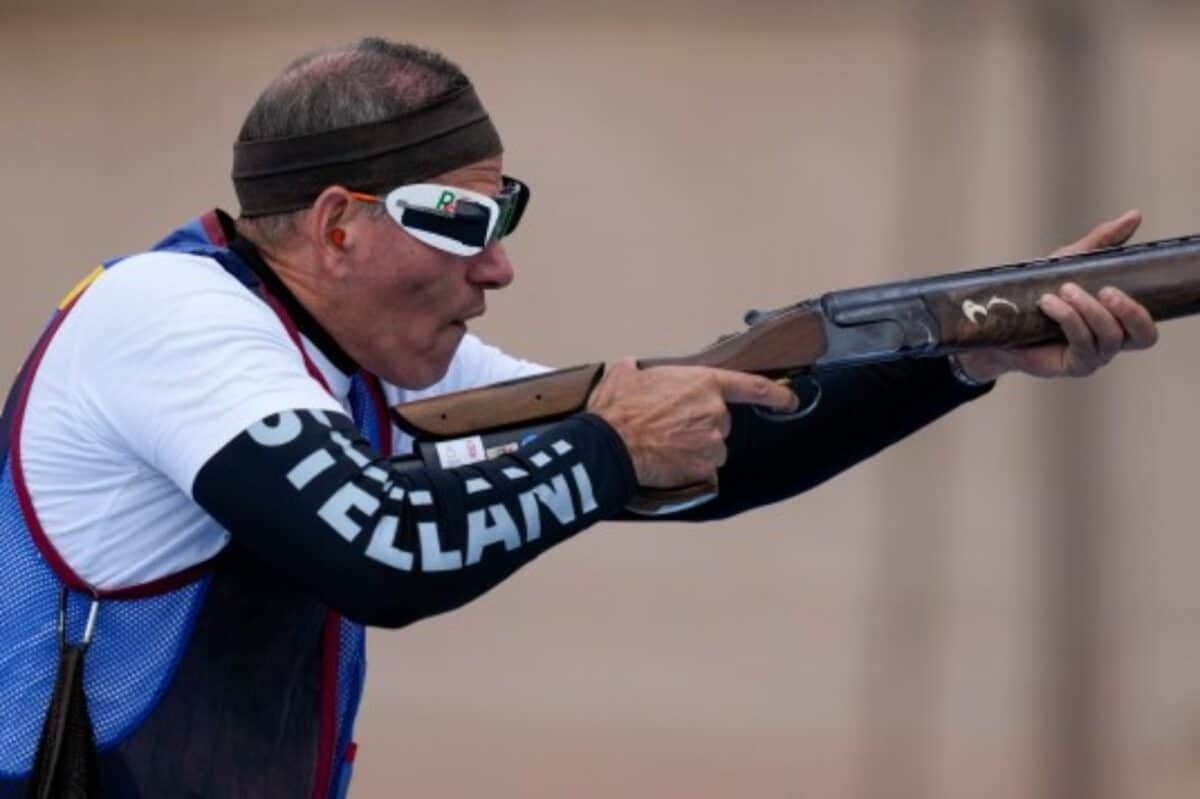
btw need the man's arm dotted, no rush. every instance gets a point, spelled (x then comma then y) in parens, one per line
(864, 410)
(306, 493)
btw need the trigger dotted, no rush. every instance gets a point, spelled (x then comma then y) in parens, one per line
(807, 390)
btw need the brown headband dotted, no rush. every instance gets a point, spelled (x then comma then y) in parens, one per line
(274, 176)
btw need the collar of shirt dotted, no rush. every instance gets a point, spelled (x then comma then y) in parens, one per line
(337, 380)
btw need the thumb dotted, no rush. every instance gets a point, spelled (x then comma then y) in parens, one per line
(1111, 233)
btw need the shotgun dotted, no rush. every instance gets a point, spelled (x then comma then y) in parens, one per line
(921, 318)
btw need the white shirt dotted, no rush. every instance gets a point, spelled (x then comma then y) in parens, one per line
(164, 359)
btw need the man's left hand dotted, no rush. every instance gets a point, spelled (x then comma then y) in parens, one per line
(1096, 327)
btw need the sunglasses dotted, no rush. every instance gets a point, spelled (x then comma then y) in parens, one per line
(454, 220)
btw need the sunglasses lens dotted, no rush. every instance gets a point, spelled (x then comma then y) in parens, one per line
(512, 201)
(473, 212)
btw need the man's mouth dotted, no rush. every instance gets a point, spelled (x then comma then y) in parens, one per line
(480, 311)
(462, 320)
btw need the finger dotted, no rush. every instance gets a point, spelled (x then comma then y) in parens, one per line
(1106, 234)
(1107, 332)
(704, 469)
(1042, 360)
(1080, 355)
(718, 454)
(740, 387)
(724, 423)
(1140, 330)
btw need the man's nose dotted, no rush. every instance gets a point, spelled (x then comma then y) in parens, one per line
(491, 268)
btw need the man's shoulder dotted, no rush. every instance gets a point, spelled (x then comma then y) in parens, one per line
(163, 288)
(168, 272)
(155, 313)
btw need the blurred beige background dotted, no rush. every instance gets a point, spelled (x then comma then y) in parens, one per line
(1004, 606)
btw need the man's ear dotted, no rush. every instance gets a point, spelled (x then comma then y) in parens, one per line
(326, 228)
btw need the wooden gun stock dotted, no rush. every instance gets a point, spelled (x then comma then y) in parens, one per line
(500, 406)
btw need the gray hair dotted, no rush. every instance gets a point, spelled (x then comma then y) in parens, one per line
(368, 81)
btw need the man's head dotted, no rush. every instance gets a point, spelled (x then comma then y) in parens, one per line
(337, 127)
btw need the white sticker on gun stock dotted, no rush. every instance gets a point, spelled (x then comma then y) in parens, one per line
(460, 452)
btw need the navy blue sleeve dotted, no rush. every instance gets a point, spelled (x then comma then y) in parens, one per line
(862, 411)
(306, 494)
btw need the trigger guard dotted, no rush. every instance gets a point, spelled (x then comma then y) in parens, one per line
(799, 413)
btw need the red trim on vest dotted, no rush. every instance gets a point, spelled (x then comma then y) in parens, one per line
(294, 334)
(57, 564)
(53, 559)
(163, 585)
(331, 635)
(327, 732)
(212, 228)
(159, 585)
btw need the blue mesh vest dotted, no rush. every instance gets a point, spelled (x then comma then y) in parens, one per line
(224, 680)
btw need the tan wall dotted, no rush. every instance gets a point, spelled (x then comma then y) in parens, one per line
(888, 634)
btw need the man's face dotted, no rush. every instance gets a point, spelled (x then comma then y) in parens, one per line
(411, 302)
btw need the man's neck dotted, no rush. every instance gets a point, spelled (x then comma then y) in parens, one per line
(286, 286)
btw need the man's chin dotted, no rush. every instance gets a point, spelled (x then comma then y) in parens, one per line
(422, 372)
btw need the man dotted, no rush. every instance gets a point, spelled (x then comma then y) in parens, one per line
(198, 446)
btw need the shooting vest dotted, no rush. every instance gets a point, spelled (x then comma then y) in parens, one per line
(222, 680)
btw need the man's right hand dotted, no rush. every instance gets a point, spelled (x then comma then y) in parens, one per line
(674, 419)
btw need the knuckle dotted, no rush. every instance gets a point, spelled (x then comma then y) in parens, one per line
(622, 367)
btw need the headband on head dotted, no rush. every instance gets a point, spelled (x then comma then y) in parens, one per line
(274, 176)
